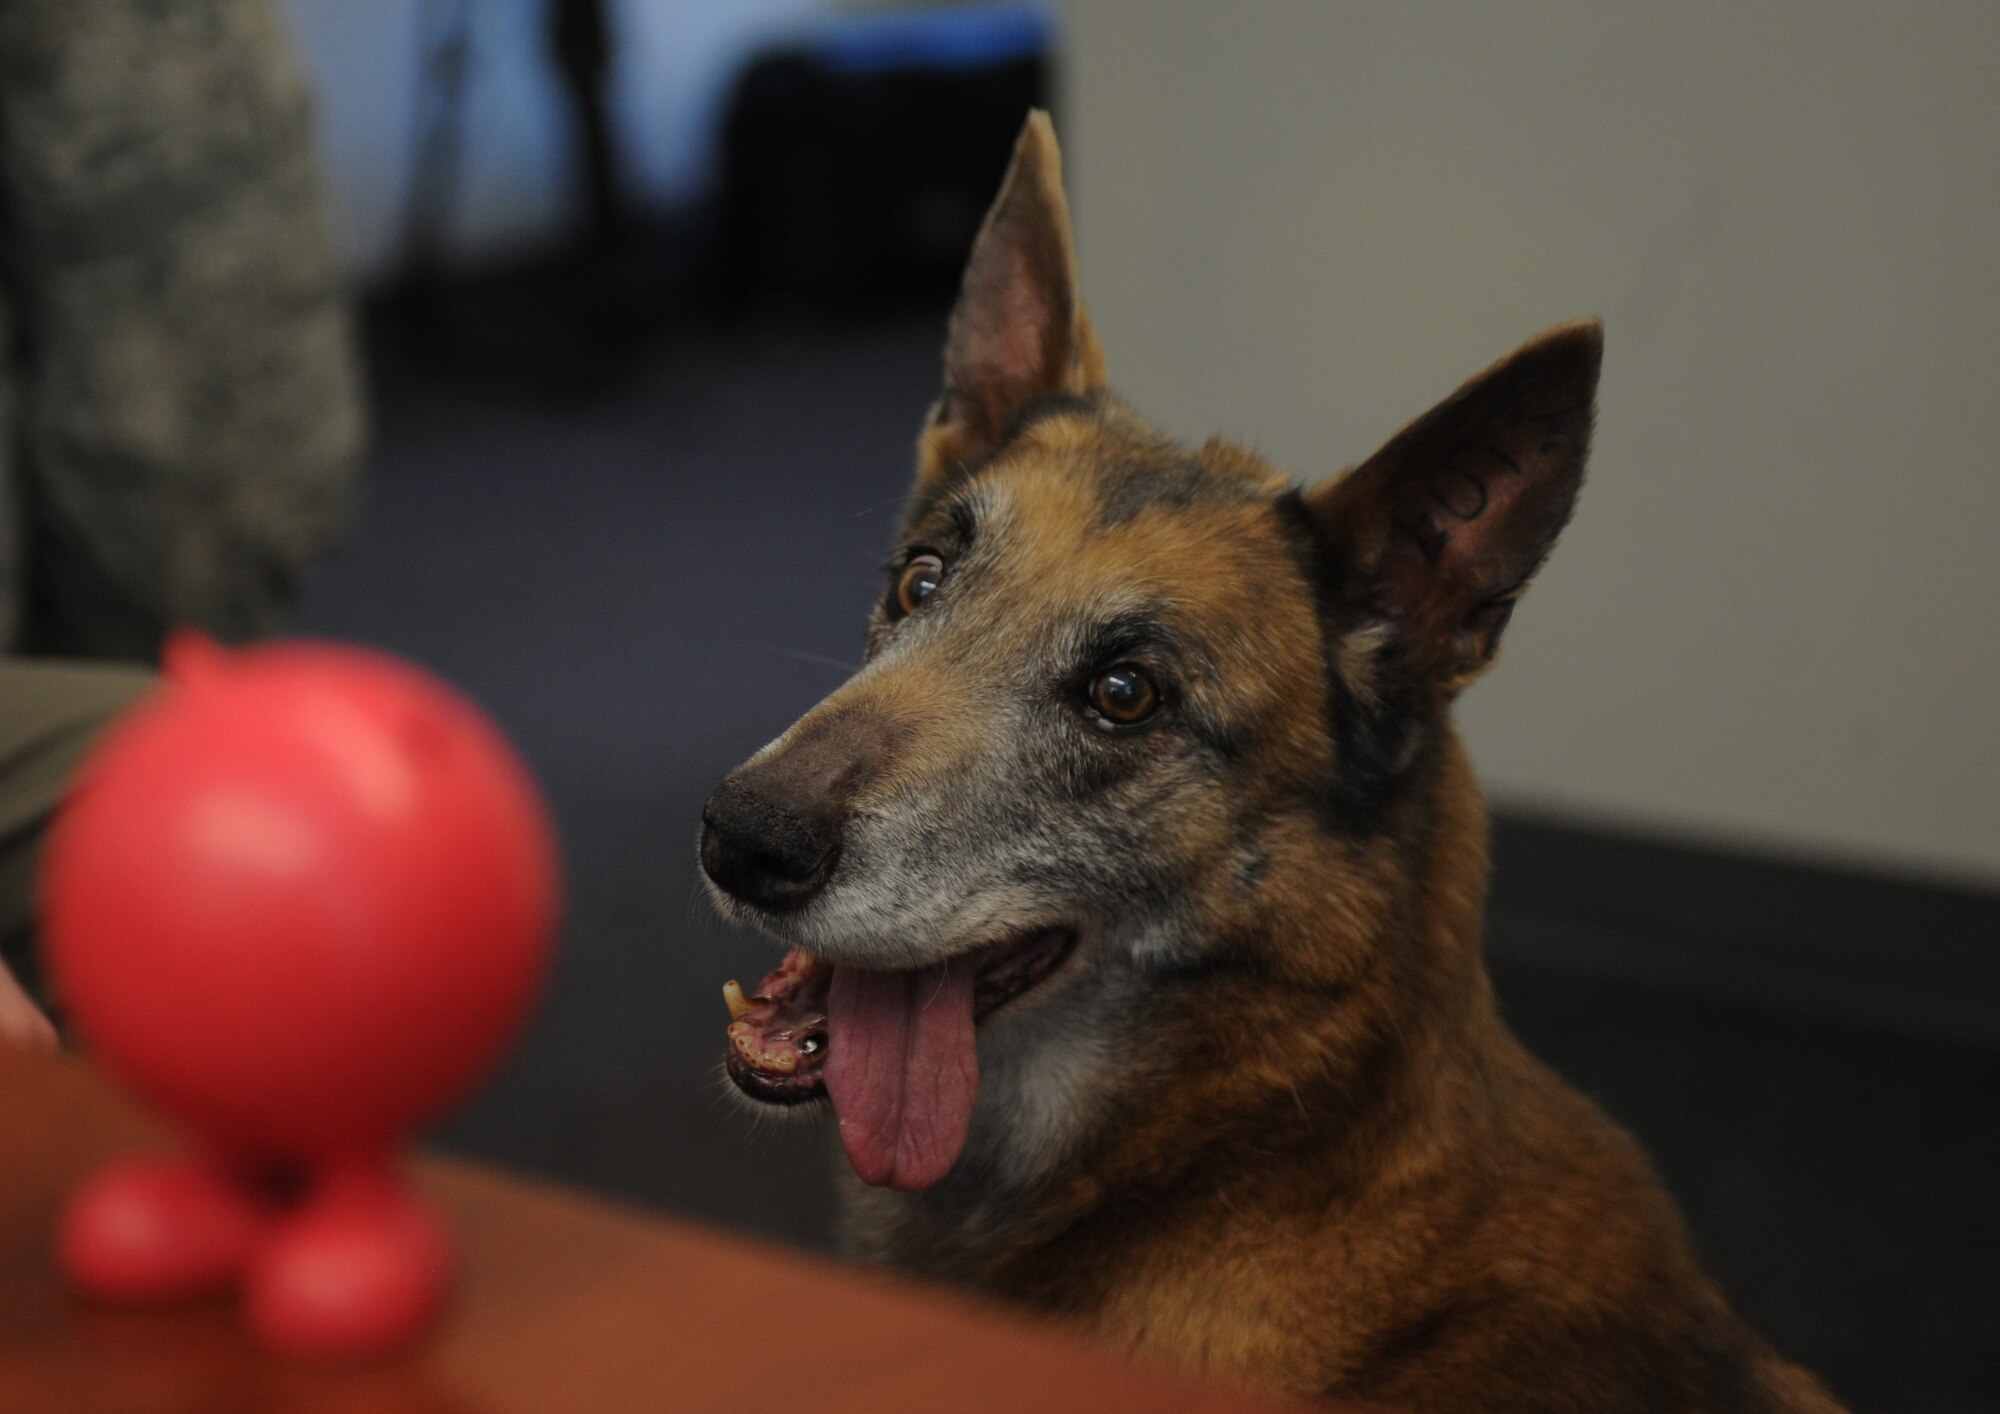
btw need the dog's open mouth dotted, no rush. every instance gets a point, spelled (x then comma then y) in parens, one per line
(893, 1050)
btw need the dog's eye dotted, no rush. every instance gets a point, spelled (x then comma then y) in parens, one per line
(1124, 696)
(919, 580)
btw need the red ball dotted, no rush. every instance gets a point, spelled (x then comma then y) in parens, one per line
(300, 898)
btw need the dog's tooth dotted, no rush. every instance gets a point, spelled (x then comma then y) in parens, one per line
(732, 996)
(776, 1062)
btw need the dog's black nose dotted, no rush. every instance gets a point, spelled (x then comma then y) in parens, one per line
(763, 851)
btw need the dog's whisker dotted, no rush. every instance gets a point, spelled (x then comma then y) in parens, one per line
(804, 657)
(886, 501)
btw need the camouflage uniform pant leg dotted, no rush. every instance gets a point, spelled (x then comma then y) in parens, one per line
(188, 401)
(10, 516)
(50, 713)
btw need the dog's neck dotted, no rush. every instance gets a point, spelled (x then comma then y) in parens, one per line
(1309, 1060)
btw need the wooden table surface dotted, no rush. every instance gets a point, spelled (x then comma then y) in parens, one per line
(564, 1304)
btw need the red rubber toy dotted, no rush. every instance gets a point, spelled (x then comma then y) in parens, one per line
(299, 900)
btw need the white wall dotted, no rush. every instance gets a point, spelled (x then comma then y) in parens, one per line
(1777, 615)
(675, 62)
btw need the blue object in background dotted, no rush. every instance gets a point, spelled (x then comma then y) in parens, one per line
(967, 36)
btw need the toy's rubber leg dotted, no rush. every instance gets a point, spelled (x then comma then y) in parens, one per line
(360, 1269)
(145, 1231)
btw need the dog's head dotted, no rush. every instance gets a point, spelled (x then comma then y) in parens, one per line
(1136, 725)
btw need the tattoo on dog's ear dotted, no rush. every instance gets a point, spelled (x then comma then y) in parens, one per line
(1440, 531)
(1019, 331)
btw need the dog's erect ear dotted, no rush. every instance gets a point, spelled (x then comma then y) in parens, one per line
(1019, 331)
(1439, 532)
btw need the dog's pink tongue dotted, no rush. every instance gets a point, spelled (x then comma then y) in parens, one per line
(903, 1069)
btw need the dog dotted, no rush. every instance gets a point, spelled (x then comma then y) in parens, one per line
(1134, 888)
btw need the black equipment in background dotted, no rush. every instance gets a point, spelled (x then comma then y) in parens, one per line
(857, 162)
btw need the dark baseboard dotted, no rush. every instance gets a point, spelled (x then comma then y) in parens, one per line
(1871, 948)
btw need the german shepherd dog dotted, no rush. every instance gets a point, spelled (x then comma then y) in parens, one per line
(1134, 889)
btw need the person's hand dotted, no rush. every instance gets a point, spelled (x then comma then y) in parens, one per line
(21, 1021)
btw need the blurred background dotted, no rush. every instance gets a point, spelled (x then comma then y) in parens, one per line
(649, 296)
